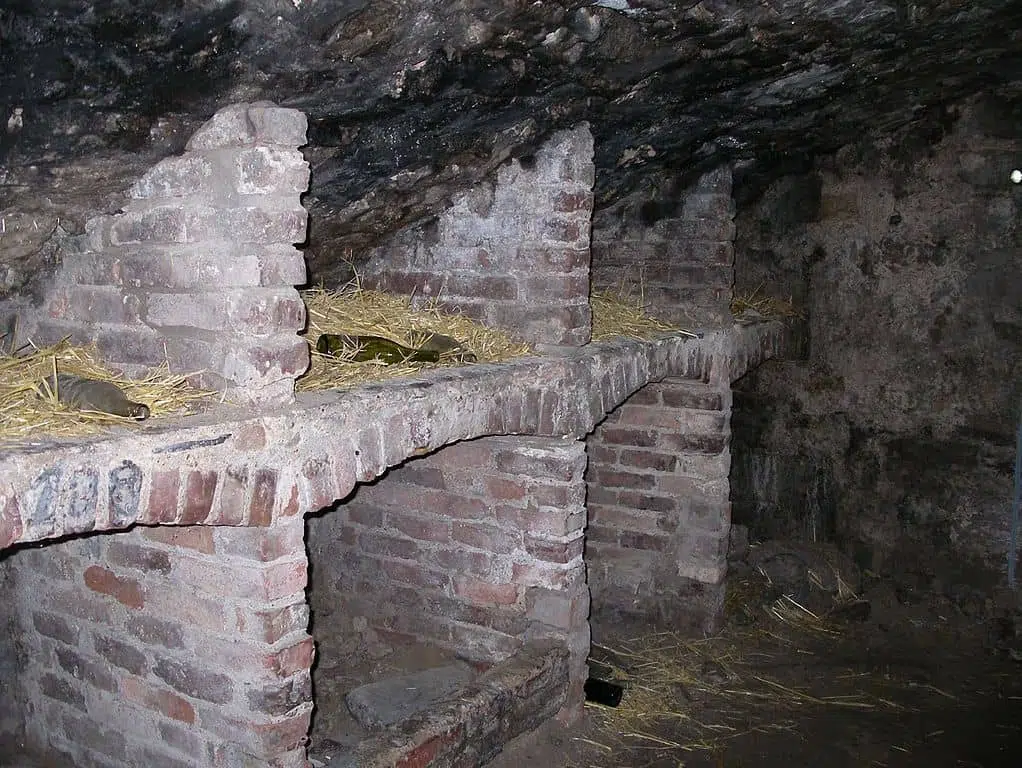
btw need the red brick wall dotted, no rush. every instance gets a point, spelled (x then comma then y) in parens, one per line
(199, 269)
(675, 252)
(514, 253)
(659, 506)
(173, 646)
(476, 548)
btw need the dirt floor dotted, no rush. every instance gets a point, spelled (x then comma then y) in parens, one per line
(895, 675)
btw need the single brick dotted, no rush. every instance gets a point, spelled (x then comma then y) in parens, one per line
(282, 696)
(139, 557)
(422, 528)
(194, 537)
(90, 671)
(270, 170)
(192, 680)
(57, 627)
(485, 536)
(154, 631)
(81, 497)
(234, 485)
(125, 488)
(198, 497)
(261, 544)
(175, 177)
(121, 654)
(159, 700)
(60, 689)
(264, 492)
(659, 462)
(164, 491)
(126, 591)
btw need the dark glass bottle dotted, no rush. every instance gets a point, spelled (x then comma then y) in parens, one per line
(362, 349)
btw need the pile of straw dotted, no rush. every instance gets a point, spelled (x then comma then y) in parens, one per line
(683, 695)
(755, 306)
(615, 315)
(29, 408)
(355, 311)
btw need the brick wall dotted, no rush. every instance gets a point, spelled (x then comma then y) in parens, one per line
(514, 253)
(675, 252)
(659, 506)
(169, 647)
(476, 548)
(200, 266)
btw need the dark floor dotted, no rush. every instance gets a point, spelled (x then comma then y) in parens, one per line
(922, 680)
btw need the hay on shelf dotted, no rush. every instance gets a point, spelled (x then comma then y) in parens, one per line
(29, 408)
(757, 306)
(355, 311)
(615, 315)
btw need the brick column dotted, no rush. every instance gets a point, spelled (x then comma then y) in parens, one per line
(659, 506)
(676, 252)
(514, 253)
(172, 646)
(199, 269)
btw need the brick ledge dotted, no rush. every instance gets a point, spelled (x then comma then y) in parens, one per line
(229, 466)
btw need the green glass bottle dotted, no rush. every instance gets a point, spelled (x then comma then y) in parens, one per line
(363, 349)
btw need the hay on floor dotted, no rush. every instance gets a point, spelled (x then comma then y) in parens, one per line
(615, 315)
(355, 311)
(704, 693)
(29, 408)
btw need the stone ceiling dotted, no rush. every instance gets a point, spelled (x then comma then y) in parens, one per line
(410, 101)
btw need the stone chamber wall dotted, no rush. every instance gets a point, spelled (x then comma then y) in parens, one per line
(894, 434)
(671, 249)
(189, 644)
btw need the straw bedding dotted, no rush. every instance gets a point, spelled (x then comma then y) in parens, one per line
(30, 408)
(359, 312)
(683, 695)
(755, 306)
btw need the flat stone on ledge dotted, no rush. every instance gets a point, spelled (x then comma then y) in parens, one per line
(396, 699)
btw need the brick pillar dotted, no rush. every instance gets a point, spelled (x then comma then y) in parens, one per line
(199, 269)
(676, 253)
(476, 548)
(659, 506)
(514, 253)
(171, 646)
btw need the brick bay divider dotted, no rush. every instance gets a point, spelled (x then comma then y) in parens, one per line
(165, 646)
(659, 507)
(513, 253)
(199, 268)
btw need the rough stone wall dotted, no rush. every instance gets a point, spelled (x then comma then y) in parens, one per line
(672, 251)
(514, 253)
(476, 548)
(199, 269)
(659, 510)
(901, 419)
(172, 646)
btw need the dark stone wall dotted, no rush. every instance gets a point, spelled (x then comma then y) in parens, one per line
(891, 427)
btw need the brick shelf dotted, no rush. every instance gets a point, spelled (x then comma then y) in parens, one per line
(230, 466)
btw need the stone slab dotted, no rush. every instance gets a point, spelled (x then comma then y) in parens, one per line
(396, 699)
